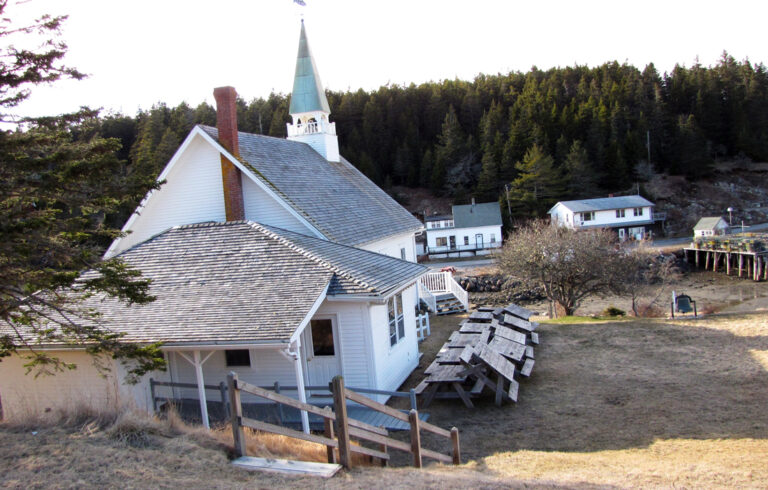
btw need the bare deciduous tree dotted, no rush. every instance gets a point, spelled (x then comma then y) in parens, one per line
(570, 265)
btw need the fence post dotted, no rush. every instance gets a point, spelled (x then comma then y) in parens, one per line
(330, 435)
(236, 412)
(413, 399)
(223, 392)
(342, 429)
(456, 448)
(413, 418)
(152, 394)
(280, 414)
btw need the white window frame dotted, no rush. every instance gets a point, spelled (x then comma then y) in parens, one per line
(620, 213)
(437, 241)
(396, 319)
(638, 211)
(588, 216)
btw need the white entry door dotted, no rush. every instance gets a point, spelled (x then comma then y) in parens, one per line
(321, 350)
(479, 240)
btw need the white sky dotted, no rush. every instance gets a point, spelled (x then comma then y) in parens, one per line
(142, 52)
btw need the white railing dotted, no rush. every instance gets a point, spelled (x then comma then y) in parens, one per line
(463, 248)
(429, 298)
(422, 326)
(443, 282)
(436, 282)
(311, 128)
(459, 292)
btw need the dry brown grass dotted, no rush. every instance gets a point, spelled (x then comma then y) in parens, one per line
(633, 403)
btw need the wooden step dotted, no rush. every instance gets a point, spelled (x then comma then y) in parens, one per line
(527, 368)
(286, 466)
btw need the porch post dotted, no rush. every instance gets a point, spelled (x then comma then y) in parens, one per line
(201, 389)
(296, 355)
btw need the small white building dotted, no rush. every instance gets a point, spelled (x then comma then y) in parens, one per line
(470, 229)
(710, 226)
(631, 216)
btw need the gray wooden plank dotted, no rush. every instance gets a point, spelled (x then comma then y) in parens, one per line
(518, 311)
(481, 316)
(529, 351)
(473, 327)
(507, 348)
(535, 338)
(518, 323)
(527, 368)
(497, 362)
(286, 466)
(510, 334)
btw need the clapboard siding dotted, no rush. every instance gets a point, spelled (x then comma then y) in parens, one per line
(263, 208)
(192, 194)
(79, 390)
(395, 363)
(355, 356)
(391, 246)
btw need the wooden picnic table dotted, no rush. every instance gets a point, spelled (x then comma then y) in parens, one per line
(445, 376)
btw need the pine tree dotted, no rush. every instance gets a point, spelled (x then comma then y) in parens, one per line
(581, 179)
(538, 186)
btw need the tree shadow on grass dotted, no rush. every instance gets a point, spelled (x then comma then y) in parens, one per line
(622, 385)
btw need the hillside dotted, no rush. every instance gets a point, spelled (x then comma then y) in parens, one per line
(632, 403)
(732, 184)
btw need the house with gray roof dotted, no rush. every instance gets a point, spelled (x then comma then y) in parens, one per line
(470, 229)
(632, 217)
(274, 258)
(710, 226)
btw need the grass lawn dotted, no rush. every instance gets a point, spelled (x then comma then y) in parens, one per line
(630, 403)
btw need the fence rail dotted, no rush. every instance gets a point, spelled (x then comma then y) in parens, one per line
(339, 428)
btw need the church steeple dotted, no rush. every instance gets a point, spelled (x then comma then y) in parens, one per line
(309, 107)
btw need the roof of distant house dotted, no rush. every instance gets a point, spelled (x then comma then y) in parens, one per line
(709, 223)
(336, 198)
(605, 203)
(481, 214)
(438, 217)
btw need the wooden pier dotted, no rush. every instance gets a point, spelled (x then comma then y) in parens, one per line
(745, 255)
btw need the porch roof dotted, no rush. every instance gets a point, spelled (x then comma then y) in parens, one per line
(238, 282)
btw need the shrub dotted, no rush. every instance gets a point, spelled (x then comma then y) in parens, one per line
(613, 311)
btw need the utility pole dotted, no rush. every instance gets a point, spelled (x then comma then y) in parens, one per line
(509, 209)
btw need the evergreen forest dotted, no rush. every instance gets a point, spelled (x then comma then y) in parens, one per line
(564, 133)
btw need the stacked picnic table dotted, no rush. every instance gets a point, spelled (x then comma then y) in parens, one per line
(493, 349)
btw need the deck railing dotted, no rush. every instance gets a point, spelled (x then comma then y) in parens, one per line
(422, 326)
(443, 282)
(426, 295)
(339, 428)
(463, 248)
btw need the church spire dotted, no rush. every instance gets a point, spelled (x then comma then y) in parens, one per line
(308, 94)
(309, 107)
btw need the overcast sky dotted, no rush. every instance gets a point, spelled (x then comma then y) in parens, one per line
(142, 52)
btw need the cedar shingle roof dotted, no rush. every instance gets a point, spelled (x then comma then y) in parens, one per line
(240, 282)
(342, 203)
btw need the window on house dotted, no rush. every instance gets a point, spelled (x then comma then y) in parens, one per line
(396, 319)
(437, 224)
(466, 240)
(448, 224)
(322, 337)
(402, 253)
(238, 357)
(588, 216)
(441, 241)
(493, 238)
(638, 211)
(620, 213)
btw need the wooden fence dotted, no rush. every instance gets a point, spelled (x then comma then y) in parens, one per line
(340, 429)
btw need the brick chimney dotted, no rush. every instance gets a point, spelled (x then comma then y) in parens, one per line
(226, 122)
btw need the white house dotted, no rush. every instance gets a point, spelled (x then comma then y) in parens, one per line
(710, 226)
(631, 216)
(471, 228)
(274, 258)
